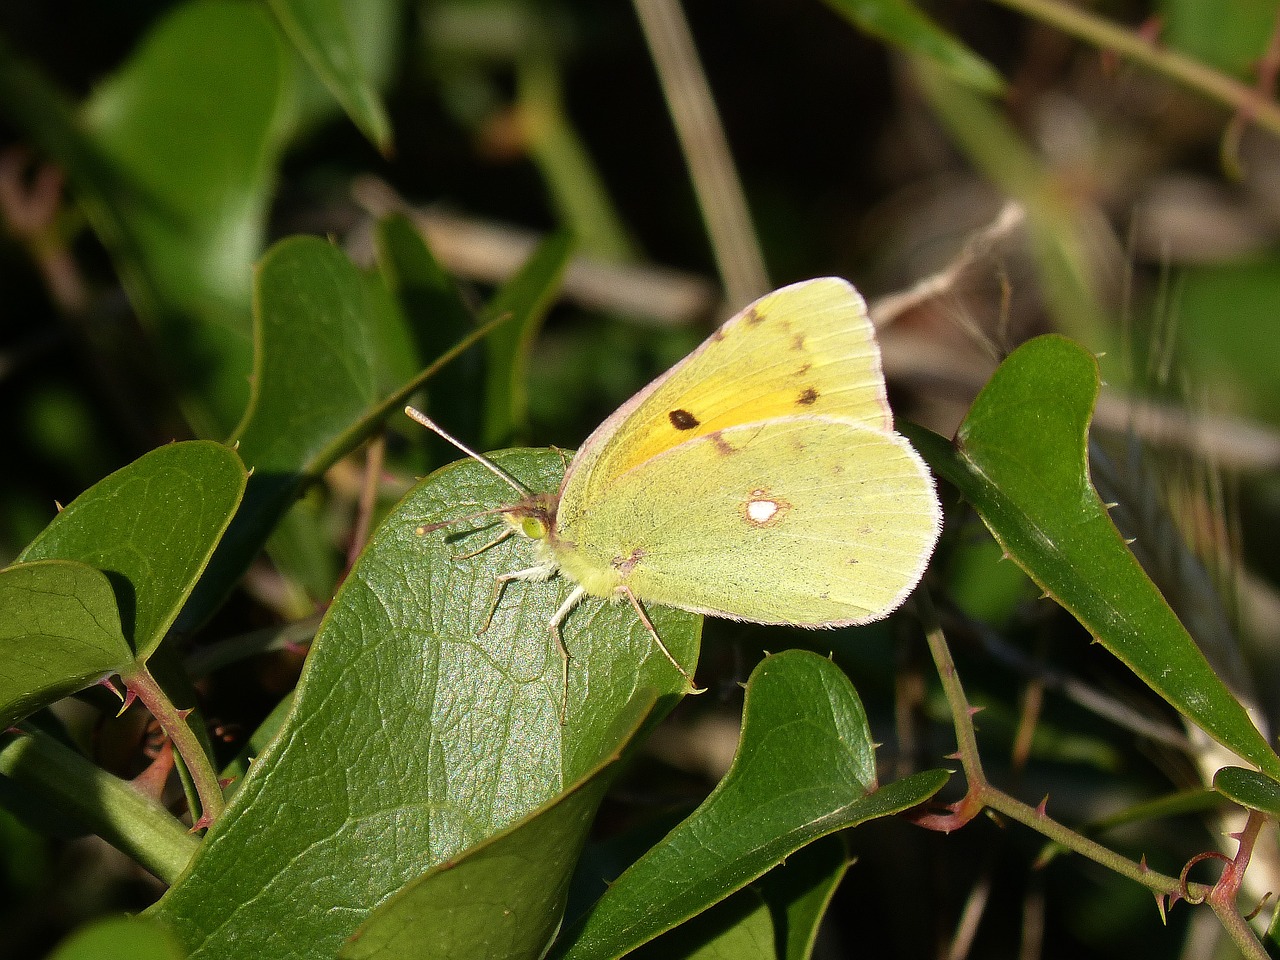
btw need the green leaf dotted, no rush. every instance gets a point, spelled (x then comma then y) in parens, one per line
(1224, 313)
(1228, 35)
(415, 735)
(308, 406)
(151, 527)
(739, 928)
(120, 938)
(1249, 788)
(319, 29)
(526, 298)
(59, 633)
(440, 913)
(799, 891)
(901, 23)
(1021, 460)
(438, 318)
(804, 768)
(189, 146)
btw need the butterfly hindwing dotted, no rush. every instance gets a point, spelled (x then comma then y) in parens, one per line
(804, 520)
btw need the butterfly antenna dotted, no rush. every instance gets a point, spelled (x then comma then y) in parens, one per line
(479, 458)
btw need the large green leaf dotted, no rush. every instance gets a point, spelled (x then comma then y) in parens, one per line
(414, 735)
(1021, 459)
(321, 32)
(59, 633)
(189, 133)
(151, 527)
(902, 24)
(441, 914)
(805, 767)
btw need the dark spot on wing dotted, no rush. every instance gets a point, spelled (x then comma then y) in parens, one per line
(804, 368)
(753, 316)
(808, 397)
(797, 342)
(682, 419)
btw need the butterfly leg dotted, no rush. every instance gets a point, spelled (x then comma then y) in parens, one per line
(505, 535)
(644, 618)
(533, 574)
(557, 620)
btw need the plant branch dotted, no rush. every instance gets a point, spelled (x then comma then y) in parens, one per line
(174, 723)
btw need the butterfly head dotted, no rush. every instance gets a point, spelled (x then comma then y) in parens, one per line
(534, 516)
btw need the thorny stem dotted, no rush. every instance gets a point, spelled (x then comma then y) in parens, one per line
(174, 723)
(981, 795)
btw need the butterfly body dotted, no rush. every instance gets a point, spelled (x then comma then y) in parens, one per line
(758, 479)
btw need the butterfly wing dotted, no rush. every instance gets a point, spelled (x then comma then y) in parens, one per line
(808, 348)
(814, 521)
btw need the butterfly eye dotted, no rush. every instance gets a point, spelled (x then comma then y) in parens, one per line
(533, 528)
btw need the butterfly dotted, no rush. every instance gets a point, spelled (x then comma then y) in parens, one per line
(759, 479)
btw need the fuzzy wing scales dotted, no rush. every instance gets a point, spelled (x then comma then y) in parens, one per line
(807, 349)
(813, 521)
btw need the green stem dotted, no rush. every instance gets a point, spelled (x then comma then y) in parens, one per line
(982, 794)
(1192, 74)
(57, 780)
(174, 723)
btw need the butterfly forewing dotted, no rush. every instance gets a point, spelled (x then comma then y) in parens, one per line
(806, 349)
(805, 520)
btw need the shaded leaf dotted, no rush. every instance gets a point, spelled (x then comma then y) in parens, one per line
(151, 527)
(320, 30)
(120, 938)
(902, 24)
(59, 633)
(1249, 788)
(526, 298)
(182, 205)
(1021, 460)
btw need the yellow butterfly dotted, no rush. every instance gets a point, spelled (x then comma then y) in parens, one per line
(758, 479)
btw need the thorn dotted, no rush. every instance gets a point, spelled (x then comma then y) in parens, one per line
(1142, 864)
(58, 505)
(1044, 595)
(1130, 541)
(226, 782)
(1043, 806)
(17, 730)
(106, 682)
(250, 473)
(204, 823)
(954, 756)
(974, 711)
(127, 702)
(1111, 505)
(1004, 555)
(1161, 906)
(183, 714)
